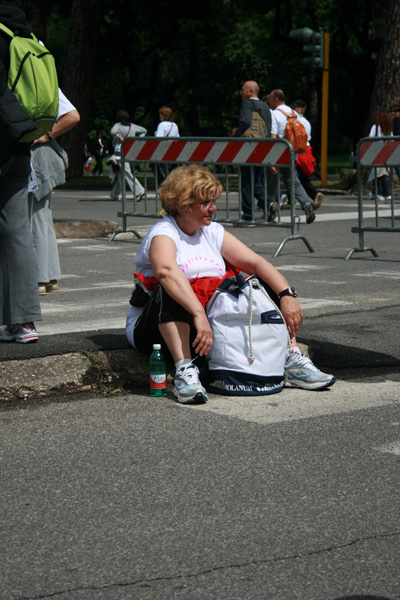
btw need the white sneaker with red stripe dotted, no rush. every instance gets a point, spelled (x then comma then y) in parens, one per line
(23, 333)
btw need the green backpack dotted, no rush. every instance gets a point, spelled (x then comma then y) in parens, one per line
(32, 77)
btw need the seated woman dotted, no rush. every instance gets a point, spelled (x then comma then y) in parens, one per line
(182, 248)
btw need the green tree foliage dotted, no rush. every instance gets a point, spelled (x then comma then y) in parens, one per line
(195, 57)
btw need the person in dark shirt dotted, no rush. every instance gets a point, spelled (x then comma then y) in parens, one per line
(251, 103)
(395, 110)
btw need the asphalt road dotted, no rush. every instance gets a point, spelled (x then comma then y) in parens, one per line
(280, 497)
(132, 497)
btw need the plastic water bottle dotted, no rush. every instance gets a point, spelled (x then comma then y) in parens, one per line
(158, 372)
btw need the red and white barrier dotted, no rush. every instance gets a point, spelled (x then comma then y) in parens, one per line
(236, 152)
(380, 153)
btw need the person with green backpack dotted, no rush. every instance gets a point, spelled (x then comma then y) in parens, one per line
(19, 299)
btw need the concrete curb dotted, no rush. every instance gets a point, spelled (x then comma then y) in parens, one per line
(104, 372)
(85, 230)
(72, 373)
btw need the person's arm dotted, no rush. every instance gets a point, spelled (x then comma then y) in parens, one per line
(64, 124)
(240, 256)
(115, 129)
(139, 130)
(162, 255)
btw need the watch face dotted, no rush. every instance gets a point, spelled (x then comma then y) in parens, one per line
(290, 291)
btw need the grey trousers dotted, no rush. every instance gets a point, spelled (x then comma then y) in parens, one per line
(130, 180)
(19, 298)
(299, 192)
(44, 239)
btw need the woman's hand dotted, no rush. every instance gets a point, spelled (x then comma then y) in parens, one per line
(42, 140)
(203, 341)
(292, 314)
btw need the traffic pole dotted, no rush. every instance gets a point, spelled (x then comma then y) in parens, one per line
(324, 115)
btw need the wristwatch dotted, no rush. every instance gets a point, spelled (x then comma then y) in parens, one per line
(290, 291)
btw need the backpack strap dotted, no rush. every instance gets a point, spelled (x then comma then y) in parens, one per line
(292, 114)
(12, 34)
(7, 31)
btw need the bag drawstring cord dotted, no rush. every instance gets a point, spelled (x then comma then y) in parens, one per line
(253, 285)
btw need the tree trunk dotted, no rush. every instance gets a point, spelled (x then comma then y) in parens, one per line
(38, 20)
(387, 80)
(79, 68)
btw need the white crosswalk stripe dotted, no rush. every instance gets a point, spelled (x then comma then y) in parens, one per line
(294, 404)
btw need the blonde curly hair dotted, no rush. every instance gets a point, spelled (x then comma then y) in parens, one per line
(186, 186)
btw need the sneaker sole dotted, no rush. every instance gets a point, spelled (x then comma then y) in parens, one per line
(199, 398)
(318, 201)
(317, 385)
(27, 341)
(310, 219)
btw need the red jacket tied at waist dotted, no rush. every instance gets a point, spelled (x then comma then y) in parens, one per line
(203, 287)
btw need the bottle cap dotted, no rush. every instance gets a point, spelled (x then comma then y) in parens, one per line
(156, 346)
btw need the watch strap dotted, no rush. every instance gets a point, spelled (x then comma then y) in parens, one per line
(290, 291)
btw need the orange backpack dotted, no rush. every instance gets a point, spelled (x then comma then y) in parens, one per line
(295, 132)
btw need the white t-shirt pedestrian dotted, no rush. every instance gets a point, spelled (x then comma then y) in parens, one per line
(167, 129)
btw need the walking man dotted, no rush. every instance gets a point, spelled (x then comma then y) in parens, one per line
(251, 103)
(278, 127)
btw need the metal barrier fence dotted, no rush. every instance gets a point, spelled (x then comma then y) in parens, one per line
(376, 152)
(225, 155)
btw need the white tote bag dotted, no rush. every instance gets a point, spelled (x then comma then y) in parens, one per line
(250, 340)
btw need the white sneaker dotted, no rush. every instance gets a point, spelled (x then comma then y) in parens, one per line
(187, 386)
(301, 372)
(23, 333)
(318, 200)
(271, 212)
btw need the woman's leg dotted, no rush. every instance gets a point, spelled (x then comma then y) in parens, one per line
(170, 321)
(177, 337)
(139, 189)
(44, 239)
(384, 186)
(116, 188)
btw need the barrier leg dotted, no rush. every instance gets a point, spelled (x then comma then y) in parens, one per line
(124, 229)
(293, 237)
(366, 249)
(362, 248)
(114, 235)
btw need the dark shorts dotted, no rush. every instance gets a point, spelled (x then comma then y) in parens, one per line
(160, 308)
